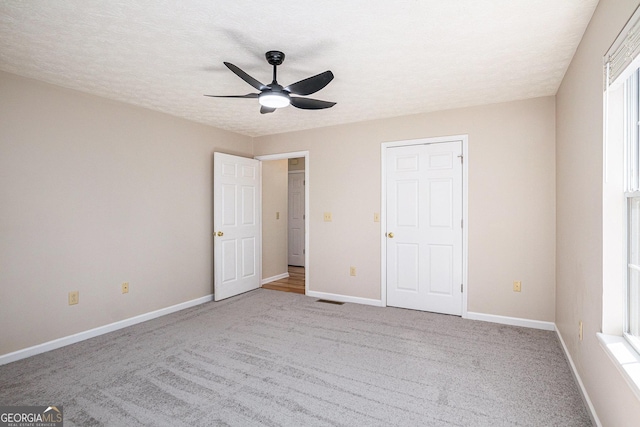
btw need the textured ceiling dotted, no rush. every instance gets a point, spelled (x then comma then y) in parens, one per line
(389, 58)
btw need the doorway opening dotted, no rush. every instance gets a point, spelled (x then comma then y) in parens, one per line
(285, 222)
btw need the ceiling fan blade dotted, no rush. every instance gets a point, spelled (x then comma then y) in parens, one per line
(249, 95)
(266, 110)
(244, 76)
(310, 104)
(311, 84)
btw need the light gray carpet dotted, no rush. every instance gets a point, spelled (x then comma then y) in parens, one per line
(280, 359)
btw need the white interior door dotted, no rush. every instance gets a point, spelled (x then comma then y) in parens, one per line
(296, 218)
(424, 227)
(236, 220)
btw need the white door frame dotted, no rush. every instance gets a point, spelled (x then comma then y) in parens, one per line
(465, 211)
(293, 155)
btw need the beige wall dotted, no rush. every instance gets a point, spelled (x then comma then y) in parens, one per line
(275, 183)
(579, 218)
(94, 193)
(511, 201)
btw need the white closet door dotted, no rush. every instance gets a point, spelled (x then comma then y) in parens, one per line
(424, 227)
(296, 219)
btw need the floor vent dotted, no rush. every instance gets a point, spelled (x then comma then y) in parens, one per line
(330, 302)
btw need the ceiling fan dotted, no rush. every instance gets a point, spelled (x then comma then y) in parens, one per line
(274, 96)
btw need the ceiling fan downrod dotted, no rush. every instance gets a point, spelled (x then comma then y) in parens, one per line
(275, 58)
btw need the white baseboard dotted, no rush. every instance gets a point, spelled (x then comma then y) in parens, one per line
(345, 298)
(274, 278)
(513, 321)
(583, 390)
(81, 336)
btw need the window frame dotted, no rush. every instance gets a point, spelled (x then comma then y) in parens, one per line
(621, 60)
(634, 340)
(631, 193)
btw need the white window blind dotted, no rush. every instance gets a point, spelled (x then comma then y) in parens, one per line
(623, 51)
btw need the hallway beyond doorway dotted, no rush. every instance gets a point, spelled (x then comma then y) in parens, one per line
(294, 283)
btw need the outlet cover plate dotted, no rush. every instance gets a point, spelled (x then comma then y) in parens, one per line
(74, 297)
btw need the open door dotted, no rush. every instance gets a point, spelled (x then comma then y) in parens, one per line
(236, 221)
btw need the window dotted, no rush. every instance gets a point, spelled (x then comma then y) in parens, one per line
(632, 195)
(620, 336)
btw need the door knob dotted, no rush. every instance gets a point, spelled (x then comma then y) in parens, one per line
(220, 234)
(390, 235)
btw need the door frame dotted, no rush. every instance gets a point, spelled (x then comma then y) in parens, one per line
(464, 139)
(294, 155)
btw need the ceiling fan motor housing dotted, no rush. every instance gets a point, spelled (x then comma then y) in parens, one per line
(274, 57)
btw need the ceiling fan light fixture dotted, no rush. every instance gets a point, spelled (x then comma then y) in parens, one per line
(274, 100)
(274, 96)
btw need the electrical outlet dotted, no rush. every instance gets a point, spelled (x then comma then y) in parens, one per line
(376, 217)
(352, 271)
(74, 297)
(125, 288)
(328, 217)
(580, 330)
(517, 286)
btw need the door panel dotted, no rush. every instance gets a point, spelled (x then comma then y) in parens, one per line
(440, 266)
(408, 260)
(228, 254)
(441, 203)
(228, 205)
(407, 203)
(424, 219)
(248, 257)
(248, 205)
(236, 220)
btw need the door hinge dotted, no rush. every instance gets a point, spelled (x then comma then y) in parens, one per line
(461, 287)
(304, 251)
(304, 182)
(304, 216)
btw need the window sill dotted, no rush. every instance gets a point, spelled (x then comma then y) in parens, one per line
(626, 359)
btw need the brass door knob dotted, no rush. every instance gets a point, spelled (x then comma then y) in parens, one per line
(220, 234)
(390, 235)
